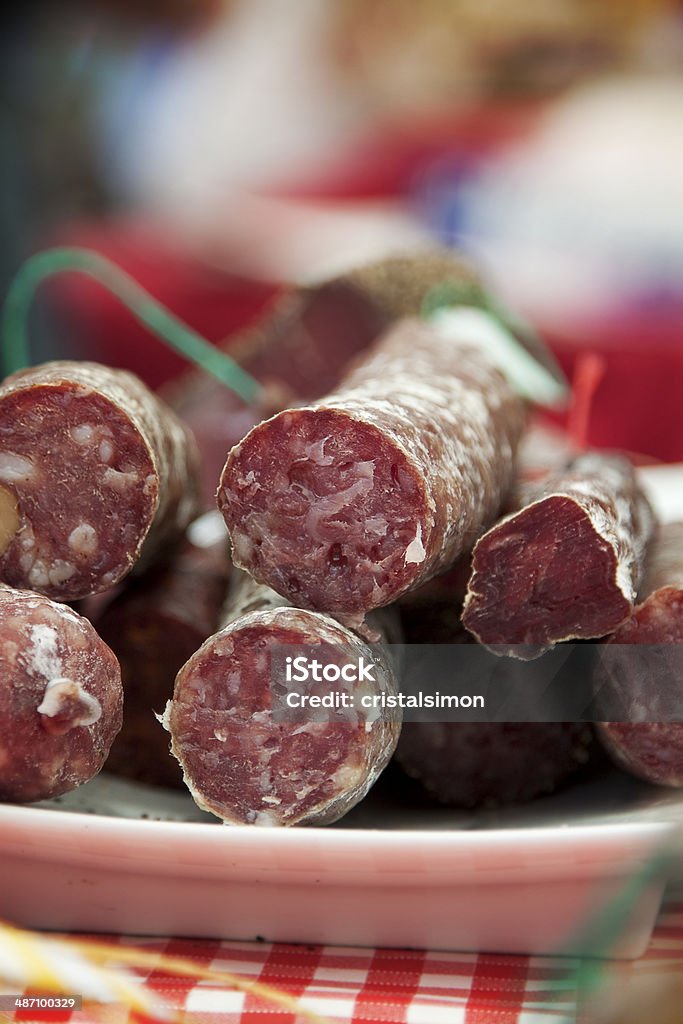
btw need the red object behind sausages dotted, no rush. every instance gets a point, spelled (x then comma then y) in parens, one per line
(637, 405)
(217, 304)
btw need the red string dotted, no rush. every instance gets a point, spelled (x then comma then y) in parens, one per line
(588, 372)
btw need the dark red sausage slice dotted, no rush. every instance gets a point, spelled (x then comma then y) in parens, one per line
(346, 504)
(60, 698)
(567, 565)
(95, 474)
(247, 768)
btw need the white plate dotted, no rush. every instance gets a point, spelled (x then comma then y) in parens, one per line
(520, 881)
(117, 857)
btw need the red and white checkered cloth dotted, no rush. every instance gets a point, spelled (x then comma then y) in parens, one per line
(382, 986)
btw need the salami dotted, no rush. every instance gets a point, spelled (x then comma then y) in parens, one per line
(60, 698)
(473, 764)
(539, 447)
(243, 764)
(346, 504)
(95, 474)
(303, 342)
(567, 565)
(649, 682)
(477, 764)
(158, 621)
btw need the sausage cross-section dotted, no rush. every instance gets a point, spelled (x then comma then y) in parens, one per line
(567, 565)
(241, 761)
(95, 473)
(301, 345)
(346, 504)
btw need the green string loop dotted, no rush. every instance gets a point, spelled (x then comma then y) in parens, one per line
(160, 321)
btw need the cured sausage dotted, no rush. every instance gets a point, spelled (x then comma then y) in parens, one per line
(472, 764)
(348, 503)
(153, 626)
(240, 761)
(539, 449)
(567, 565)
(648, 682)
(95, 474)
(301, 345)
(60, 698)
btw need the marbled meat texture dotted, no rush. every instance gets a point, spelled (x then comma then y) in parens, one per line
(649, 682)
(244, 766)
(348, 503)
(153, 626)
(96, 473)
(567, 565)
(61, 698)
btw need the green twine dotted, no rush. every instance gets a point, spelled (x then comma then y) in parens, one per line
(516, 347)
(177, 335)
(449, 293)
(469, 293)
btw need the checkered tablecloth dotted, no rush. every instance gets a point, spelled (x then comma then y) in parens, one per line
(369, 986)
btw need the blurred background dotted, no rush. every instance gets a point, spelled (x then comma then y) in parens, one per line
(220, 150)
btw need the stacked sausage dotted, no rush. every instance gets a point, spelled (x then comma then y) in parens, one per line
(97, 476)
(399, 488)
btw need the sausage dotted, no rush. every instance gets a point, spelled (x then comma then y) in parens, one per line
(153, 626)
(567, 565)
(300, 344)
(61, 698)
(243, 764)
(539, 447)
(95, 474)
(473, 764)
(303, 342)
(648, 682)
(348, 503)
